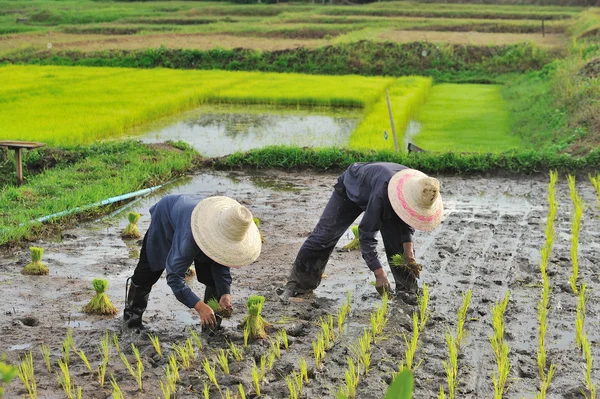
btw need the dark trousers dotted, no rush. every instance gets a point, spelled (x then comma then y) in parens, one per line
(339, 213)
(146, 277)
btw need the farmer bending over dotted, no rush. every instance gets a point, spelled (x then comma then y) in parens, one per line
(214, 233)
(395, 200)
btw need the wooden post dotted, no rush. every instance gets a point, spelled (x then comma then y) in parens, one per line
(387, 96)
(19, 162)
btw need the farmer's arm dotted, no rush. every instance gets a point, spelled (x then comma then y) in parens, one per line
(176, 267)
(222, 276)
(368, 227)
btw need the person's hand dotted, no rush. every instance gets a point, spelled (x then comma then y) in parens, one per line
(225, 302)
(382, 284)
(207, 316)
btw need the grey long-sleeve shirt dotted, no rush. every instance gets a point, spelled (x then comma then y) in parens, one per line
(171, 246)
(366, 184)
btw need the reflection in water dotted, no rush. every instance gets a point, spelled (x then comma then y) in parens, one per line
(218, 130)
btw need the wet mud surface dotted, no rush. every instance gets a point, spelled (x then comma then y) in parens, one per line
(489, 242)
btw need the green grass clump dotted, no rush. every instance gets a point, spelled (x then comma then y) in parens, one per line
(36, 267)
(100, 303)
(465, 117)
(254, 323)
(131, 231)
(355, 243)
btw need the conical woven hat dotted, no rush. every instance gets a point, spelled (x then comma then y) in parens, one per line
(225, 232)
(416, 198)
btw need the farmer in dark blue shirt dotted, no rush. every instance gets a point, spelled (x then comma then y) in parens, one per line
(395, 200)
(214, 233)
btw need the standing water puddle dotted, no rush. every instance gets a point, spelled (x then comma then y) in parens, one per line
(221, 130)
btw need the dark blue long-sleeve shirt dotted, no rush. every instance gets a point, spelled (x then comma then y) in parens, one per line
(171, 246)
(366, 184)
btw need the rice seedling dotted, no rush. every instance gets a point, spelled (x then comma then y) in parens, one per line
(139, 369)
(596, 183)
(442, 394)
(100, 303)
(271, 360)
(276, 346)
(411, 347)
(84, 359)
(451, 365)
(362, 351)
(303, 369)
(284, 338)
(206, 391)
(174, 368)
(128, 365)
(254, 322)
(256, 379)
(246, 336)
(116, 389)
(156, 344)
(343, 312)
(355, 243)
(263, 367)
(291, 384)
(79, 393)
(500, 348)
(236, 351)
(351, 378)
(102, 372)
(165, 389)
(241, 391)
(575, 229)
(223, 361)
(7, 373)
(210, 373)
(257, 223)
(46, 355)
(36, 267)
(318, 346)
(182, 352)
(379, 319)
(67, 344)
(196, 339)
(104, 347)
(116, 342)
(131, 231)
(462, 317)
(580, 318)
(589, 363)
(64, 378)
(189, 346)
(227, 394)
(25, 371)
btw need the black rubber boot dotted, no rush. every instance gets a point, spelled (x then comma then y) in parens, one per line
(135, 304)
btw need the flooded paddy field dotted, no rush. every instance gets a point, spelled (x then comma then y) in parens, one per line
(489, 242)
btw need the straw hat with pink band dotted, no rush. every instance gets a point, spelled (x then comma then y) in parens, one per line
(225, 231)
(415, 197)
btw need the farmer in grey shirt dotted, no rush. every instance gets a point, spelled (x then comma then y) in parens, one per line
(214, 233)
(395, 200)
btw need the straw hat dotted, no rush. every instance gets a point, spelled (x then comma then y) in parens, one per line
(225, 232)
(416, 198)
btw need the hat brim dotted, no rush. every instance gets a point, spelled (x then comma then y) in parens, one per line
(213, 240)
(424, 219)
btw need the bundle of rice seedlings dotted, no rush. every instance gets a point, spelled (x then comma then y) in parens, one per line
(214, 305)
(257, 223)
(355, 243)
(100, 303)
(131, 231)
(36, 267)
(254, 322)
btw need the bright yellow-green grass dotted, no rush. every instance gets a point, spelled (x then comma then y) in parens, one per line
(70, 105)
(407, 94)
(465, 117)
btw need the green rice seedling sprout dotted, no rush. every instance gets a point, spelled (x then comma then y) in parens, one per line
(170, 378)
(580, 318)
(116, 389)
(246, 335)
(35, 267)
(183, 354)
(271, 360)
(545, 384)
(213, 304)
(241, 391)
(174, 367)
(139, 369)
(227, 394)
(411, 347)
(100, 303)
(462, 317)
(190, 349)
(165, 389)
(276, 346)
(210, 373)
(79, 392)
(575, 229)
(257, 223)
(223, 361)
(343, 312)
(64, 378)
(351, 378)
(102, 372)
(67, 344)
(355, 243)
(451, 365)
(206, 391)
(46, 355)
(596, 183)
(500, 347)
(196, 339)
(254, 322)
(26, 375)
(263, 367)
(132, 231)
(442, 394)
(84, 359)
(156, 344)
(291, 384)
(284, 338)
(326, 334)
(116, 342)
(256, 379)
(299, 382)
(127, 365)
(236, 351)
(303, 369)
(7, 373)
(378, 319)
(589, 363)
(423, 301)
(318, 346)
(104, 347)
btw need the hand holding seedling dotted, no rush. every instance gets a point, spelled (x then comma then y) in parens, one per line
(225, 303)
(382, 284)
(207, 315)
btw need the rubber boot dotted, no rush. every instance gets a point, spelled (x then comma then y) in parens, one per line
(135, 304)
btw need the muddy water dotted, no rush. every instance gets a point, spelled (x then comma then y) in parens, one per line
(222, 130)
(489, 242)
